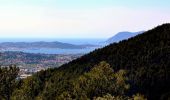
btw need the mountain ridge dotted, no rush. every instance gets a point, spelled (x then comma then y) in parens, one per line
(122, 36)
(42, 44)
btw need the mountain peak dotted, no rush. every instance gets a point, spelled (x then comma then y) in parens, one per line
(122, 35)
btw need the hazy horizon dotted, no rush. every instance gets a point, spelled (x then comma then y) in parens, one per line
(76, 41)
(79, 18)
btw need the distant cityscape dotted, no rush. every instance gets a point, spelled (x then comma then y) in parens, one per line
(30, 63)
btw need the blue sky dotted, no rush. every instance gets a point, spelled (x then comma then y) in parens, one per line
(79, 18)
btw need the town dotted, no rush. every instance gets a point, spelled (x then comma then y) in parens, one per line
(30, 63)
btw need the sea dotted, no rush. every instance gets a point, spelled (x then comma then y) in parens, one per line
(99, 42)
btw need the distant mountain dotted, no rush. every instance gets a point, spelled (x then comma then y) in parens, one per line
(41, 44)
(122, 35)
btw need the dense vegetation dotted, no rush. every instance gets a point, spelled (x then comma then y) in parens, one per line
(83, 88)
(136, 68)
(8, 81)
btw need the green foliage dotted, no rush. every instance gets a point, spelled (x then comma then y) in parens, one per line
(8, 81)
(110, 97)
(31, 86)
(121, 97)
(102, 80)
(139, 97)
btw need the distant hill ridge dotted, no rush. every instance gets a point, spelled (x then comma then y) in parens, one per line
(122, 35)
(42, 44)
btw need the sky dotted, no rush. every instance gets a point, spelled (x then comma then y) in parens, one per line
(79, 18)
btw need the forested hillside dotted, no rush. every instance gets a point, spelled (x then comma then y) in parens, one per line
(136, 68)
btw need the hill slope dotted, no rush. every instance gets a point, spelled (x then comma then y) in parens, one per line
(146, 57)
